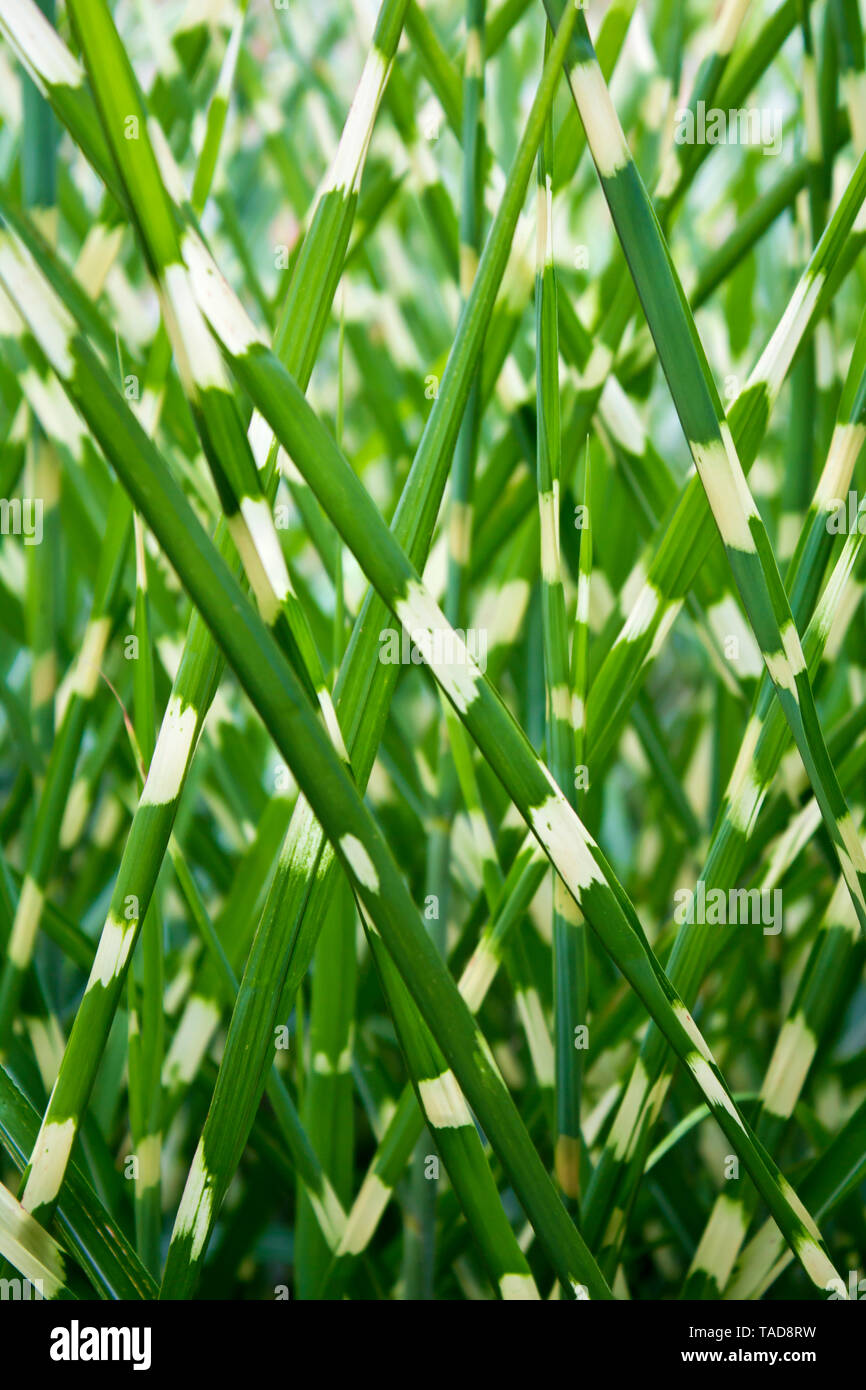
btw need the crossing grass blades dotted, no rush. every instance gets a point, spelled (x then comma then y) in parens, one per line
(431, 584)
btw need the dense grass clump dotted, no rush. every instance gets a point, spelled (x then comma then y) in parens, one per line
(433, 729)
